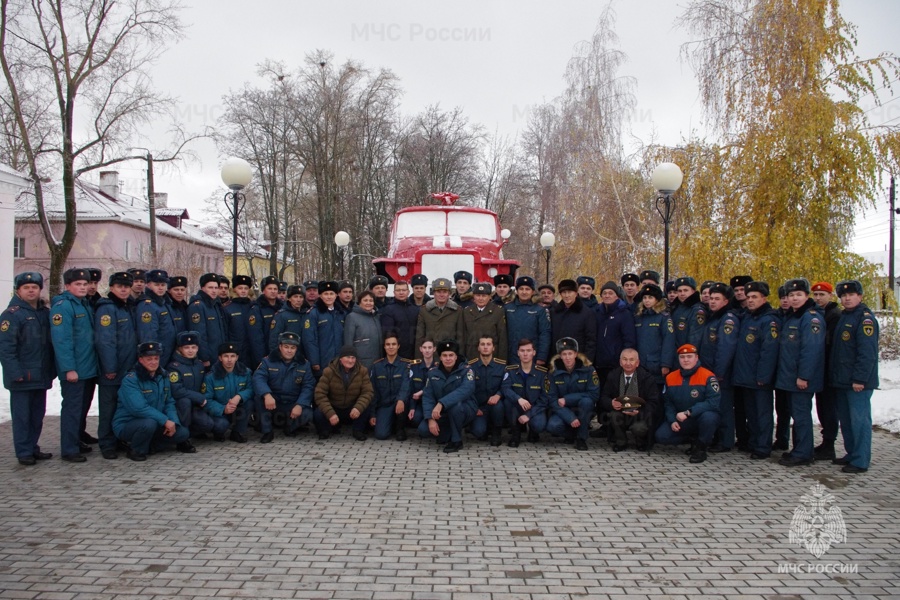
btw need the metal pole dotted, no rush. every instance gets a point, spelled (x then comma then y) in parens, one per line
(667, 220)
(893, 198)
(547, 271)
(665, 206)
(342, 263)
(235, 238)
(151, 201)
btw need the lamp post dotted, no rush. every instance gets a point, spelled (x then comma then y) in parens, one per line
(666, 179)
(548, 240)
(236, 174)
(342, 240)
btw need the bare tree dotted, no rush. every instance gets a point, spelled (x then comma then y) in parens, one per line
(93, 55)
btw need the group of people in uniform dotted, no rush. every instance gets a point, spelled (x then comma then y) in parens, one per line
(670, 365)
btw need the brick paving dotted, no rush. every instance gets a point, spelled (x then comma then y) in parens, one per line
(303, 518)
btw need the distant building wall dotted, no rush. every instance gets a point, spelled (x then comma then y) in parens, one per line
(114, 246)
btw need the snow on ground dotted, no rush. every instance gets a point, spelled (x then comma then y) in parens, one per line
(885, 400)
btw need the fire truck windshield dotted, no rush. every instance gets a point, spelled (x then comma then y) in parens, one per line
(461, 224)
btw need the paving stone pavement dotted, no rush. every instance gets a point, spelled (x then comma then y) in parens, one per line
(303, 518)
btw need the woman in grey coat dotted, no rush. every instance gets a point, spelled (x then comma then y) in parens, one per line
(362, 329)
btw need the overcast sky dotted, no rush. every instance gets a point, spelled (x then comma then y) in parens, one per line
(495, 59)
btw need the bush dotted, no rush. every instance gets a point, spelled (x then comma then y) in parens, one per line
(889, 339)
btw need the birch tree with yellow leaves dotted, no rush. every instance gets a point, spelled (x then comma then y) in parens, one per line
(795, 155)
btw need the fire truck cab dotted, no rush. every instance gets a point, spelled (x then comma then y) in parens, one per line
(439, 240)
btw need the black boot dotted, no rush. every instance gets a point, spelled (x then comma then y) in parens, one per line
(400, 428)
(825, 450)
(699, 453)
(496, 437)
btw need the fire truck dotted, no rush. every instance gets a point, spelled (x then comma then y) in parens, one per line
(441, 239)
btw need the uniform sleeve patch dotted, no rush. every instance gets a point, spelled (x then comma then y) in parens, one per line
(57, 319)
(195, 318)
(714, 384)
(252, 320)
(595, 378)
(105, 321)
(470, 375)
(146, 317)
(203, 388)
(173, 377)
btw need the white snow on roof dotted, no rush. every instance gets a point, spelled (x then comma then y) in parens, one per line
(94, 205)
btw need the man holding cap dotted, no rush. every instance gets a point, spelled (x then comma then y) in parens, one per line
(228, 387)
(343, 395)
(116, 343)
(28, 369)
(691, 405)
(854, 374)
(72, 332)
(146, 418)
(527, 320)
(284, 387)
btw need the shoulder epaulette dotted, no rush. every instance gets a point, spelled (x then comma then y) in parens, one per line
(197, 301)
(415, 361)
(13, 308)
(542, 368)
(512, 367)
(378, 361)
(500, 361)
(473, 361)
(408, 360)
(146, 300)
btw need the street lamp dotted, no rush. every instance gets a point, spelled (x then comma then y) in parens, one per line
(236, 174)
(666, 179)
(548, 240)
(342, 240)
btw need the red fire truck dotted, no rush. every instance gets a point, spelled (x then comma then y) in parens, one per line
(441, 239)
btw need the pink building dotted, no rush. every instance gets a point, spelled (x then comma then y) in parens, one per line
(114, 233)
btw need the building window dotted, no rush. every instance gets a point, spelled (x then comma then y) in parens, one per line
(18, 247)
(127, 249)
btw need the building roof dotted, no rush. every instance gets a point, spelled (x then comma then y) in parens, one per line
(10, 174)
(172, 212)
(94, 205)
